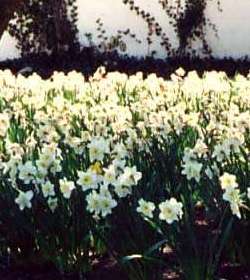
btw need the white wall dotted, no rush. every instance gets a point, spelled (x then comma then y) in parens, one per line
(7, 47)
(232, 24)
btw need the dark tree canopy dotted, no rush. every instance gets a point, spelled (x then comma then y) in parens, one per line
(38, 26)
(7, 9)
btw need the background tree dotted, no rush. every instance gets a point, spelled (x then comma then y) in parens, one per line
(46, 26)
(7, 9)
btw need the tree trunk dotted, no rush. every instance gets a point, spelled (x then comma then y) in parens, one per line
(7, 9)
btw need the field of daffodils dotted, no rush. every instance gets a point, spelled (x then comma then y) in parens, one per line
(153, 172)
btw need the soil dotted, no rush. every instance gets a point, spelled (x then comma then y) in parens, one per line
(106, 269)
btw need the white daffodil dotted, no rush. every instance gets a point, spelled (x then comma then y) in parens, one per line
(109, 175)
(228, 181)
(87, 180)
(4, 124)
(98, 147)
(200, 148)
(232, 195)
(48, 189)
(120, 150)
(121, 190)
(220, 153)
(118, 164)
(192, 170)
(52, 203)
(46, 159)
(93, 203)
(27, 172)
(66, 187)
(129, 177)
(170, 210)
(24, 199)
(107, 203)
(146, 208)
(56, 166)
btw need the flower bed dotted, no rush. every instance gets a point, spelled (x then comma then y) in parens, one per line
(153, 172)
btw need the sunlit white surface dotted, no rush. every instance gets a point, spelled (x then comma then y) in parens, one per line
(232, 24)
(7, 47)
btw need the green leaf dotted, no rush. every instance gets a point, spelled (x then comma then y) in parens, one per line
(155, 247)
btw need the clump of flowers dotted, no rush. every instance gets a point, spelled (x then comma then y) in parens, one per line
(76, 153)
(231, 193)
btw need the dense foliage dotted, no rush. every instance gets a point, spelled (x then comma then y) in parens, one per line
(139, 168)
